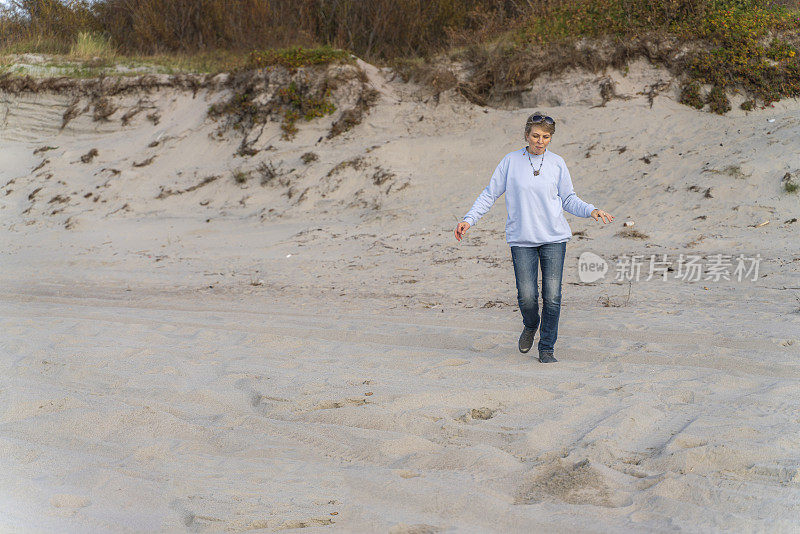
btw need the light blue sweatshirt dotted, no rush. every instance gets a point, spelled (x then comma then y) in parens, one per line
(535, 204)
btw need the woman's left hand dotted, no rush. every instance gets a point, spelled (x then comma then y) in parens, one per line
(600, 214)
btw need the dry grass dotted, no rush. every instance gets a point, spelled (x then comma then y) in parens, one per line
(164, 193)
(90, 46)
(632, 233)
(789, 181)
(240, 176)
(357, 163)
(89, 156)
(353, 116)
(616, 302)
(309, 157)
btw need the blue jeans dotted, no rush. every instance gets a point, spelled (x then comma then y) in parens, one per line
(526, 267)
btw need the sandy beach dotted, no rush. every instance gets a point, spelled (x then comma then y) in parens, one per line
(199, 341)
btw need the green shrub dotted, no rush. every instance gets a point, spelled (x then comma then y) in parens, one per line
(779, 50)
(240, 176)
(717, 100)
(297, 102)
(735, 31)
(294, 102)
(690, 95)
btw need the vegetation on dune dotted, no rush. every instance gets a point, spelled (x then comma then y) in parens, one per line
(716, 46)
(790, 184)
(690, 95)
(727, 45)
(752, 47)
(297, 57)
(293, 99)
(298, 103)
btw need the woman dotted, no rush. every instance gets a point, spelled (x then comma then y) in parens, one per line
(538, 188)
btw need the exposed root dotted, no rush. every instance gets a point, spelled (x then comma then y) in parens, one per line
(353, 116)
(89, 156)
(169, 192)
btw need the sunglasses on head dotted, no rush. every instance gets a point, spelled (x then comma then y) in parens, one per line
(542, 118)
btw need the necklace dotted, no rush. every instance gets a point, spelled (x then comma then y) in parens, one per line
(535, 171)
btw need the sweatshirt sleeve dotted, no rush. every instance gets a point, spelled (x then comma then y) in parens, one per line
(496, 187)
(569, 200)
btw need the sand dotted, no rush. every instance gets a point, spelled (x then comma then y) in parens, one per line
(319, 354)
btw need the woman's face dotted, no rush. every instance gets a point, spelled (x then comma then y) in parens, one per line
(538, 138)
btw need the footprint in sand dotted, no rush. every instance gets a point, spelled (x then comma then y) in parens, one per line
(405, 473)
(480, 414)
(419, 528)
(254, 397)
(677, 396)
(67, 505)
(487, 342)
(453, 362)
(200, 522)
(570, 386)
(261, 401)
(784, 472)
(329, 405)
(305, 523)
(450, 362)
(67, 500)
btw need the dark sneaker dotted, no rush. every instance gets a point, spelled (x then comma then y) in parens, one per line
(526, 339)
(546, 357)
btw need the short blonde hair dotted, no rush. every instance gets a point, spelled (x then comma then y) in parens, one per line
(550, 128)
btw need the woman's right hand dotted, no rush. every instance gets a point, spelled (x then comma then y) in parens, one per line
(461, 229)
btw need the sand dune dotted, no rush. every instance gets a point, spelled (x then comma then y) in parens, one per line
(310, 350)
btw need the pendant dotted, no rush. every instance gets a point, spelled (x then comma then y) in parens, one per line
(536, 173)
